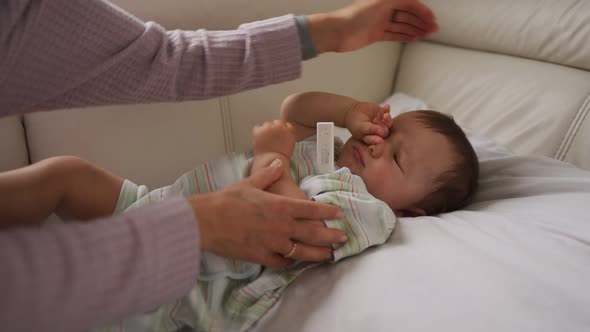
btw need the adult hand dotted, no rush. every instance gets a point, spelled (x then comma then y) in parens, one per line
(369, 21)
(245, 222)
(368, 122)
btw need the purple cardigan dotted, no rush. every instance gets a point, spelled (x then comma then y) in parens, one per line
(67, 53)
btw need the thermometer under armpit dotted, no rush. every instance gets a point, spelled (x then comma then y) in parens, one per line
(325, 147)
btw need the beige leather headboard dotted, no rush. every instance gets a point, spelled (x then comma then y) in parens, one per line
(514, 70)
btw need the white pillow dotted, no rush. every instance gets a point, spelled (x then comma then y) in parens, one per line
(401, 103)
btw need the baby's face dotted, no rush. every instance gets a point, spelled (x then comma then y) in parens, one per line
(402, 170)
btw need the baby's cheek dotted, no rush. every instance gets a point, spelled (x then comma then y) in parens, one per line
(372, 183)
(345, 161)
(380, 186)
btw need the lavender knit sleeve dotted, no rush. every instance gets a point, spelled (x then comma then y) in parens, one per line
(69, 53)
(71, 277)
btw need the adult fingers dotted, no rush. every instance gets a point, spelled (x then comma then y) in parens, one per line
(307, 242)
(316, 235)
(406, 29)
(269, 252)
(304, 252)
(314, 222)
(266, 177)
(416, 8)
(400, 37)
(304, 209)
(274, 260)
(400, 16)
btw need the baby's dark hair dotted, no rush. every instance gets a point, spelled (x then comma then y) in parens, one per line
(454, 188)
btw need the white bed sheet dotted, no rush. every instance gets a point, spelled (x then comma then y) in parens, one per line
(517, 259)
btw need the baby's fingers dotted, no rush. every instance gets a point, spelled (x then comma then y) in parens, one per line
(387, 120)
(385, 115)
(372, 139)
(380, 127)
(368, 128)
(379, 116)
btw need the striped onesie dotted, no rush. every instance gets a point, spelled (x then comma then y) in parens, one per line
(231, 295)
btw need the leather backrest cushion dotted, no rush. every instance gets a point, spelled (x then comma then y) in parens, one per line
(526, 105)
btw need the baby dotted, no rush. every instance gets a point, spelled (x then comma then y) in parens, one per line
(424, 166)
(417, 163)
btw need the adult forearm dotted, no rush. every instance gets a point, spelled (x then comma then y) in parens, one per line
(72, 277)
(67, 53)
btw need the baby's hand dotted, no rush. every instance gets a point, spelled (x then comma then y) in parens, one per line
(368, 122)
(276, 136)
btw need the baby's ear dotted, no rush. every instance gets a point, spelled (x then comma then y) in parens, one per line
(410, 212)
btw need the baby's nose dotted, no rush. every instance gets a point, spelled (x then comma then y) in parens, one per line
(375, 150)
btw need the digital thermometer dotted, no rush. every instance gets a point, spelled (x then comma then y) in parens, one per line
(325, 147)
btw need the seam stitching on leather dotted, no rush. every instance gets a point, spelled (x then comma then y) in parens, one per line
(583, 113)
(573, 130)
(398, 66)
(490, 51)
(226, 124)
(23, 122)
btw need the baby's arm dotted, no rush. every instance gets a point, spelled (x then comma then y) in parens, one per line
(299, 115)
(69, 186)
(276, 140)
(367, 121)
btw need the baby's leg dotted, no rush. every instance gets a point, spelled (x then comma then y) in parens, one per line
(69, 186)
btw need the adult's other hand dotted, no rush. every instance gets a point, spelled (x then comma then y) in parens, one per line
(369, 21)
(245, 222)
